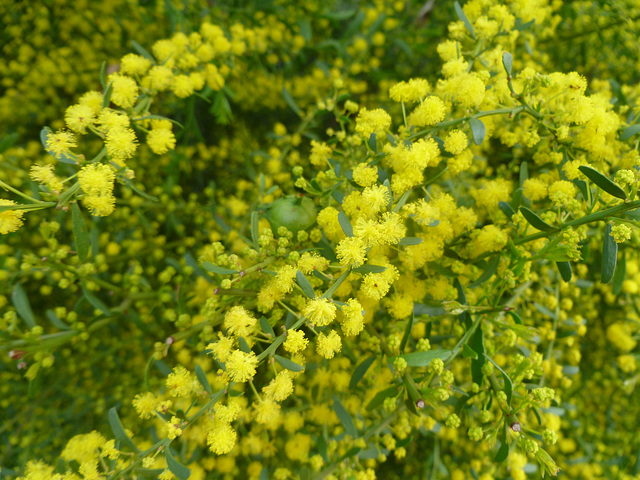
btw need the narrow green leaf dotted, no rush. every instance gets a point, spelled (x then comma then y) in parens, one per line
(524, 173)
(255, 233)
(491, 269)
(80, 233)
(603, 182)
(422, 359)
(535, 221)
(363, 269)
(507, 62)
(503, 451)
(23, 307)
(129, 183)
(545, 311)
(305, 29)
(629, 132)
(407, 241)
(118, 430)
(407, 332)
(476, 343)
(106, 98)
(266, 327)
(464, 19)
(202, 378)
(344, 417)
(159, 117)
(175, 466)
(142, 51)
(288, 364)
(56, 322)
(478, 130)
(290, 101)
(373, 143)
(508, 384)
(210, 267)
(468, 352)
(619, 276)
(329, 293)
(565, 270)
(305, 285)
(402, 201)
(380, 397)
(95, 301)
(609, 256)
(516, 317)
(422, 309)
(360, 371)
(345, 224)
(506, 209)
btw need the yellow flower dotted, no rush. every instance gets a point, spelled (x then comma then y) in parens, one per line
(10, 220)
(239, 322)
(61, 142)
(319, 311)
(161, 140)
(456, 142)
(296, 341)
(121, 143)
(124, 90)
(222, 438)
(241, 366)
(328, 345)
(372, 121)
(79, 117)
(432, 110)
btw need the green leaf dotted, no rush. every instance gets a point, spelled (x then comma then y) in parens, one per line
(345, 224)
(506, 209)
(360, 371)
(210, 267)
(202, 378)
(364, 269)
(255, 233)
(422, 359)
(565, 270)
(288, 364)
(508, 384)
(141, 50)
(290, 101)
(305, 29)
(305, 285)
(266, 327)
(464, 19)
(545, 310)
(53, 318)
(619, 276)
(80, 233)
(503, 451)
(381, 396)
(345, 418)
(407, 332)
(491, 269)
(329, 293)
(516, 317)
(476, 343)
(61, 157)
(629, 132)
(603, 182)
(95, 301)
(23, 307)
(175, 466)
(118, 430)
(478, 130)
(373, 143)
(507, 62)
(524, 173)
(106, 98)
(406, 241)
(402, 201)
(468, 352)
(535, 221)
(609, 256)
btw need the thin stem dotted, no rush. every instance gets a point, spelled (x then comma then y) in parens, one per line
(18, 192)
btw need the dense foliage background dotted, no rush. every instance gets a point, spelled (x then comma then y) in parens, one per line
(318, 240)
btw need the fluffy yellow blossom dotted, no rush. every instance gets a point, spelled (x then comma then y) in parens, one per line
(353, 317)
(456, 142)
(241, 366)
(182, 86)
(352, 251)
(132, 64)
(222, 348)
(431, 110)
(125, 90)
(61, 142)
(320, 153)
(146, 404)
(83, 448)
(490, 239)
(10, 220)
(328, 345)
(372, 121)
(296, 341)
(96, 179)
(181, 382)
(319, 311)
(280, 387)
(159, 78)
(121, 143)
(161, 140)
(412, 91)
(79, 117)
(621, 233)
(222, 438)
(44, 175)
(172, 428)
(239, 322)
(534, 189)
(364, 175)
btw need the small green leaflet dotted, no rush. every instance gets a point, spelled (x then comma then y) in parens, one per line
(609, 256)
(202, 378)
(175, 466)
(304, 284)
(380, 397)
(266, 327)
(422, 359)
(288, 364)
(360, 371)
(565, 270)
(503, 451)
(407, 332)
(345, 418)
(255, 234)
(506, 209)
(142, 51)
(464, 19)
(507, 62)
(373, 143)
(468, 352)
(290, 101)
(508, 385)
(619, 276)
(94, 301)
(407, 241)
(210, 267)
(106, 98)
(629, 132)
(535, 221)
(23, 307)
(603, 182)
(491, 269)
(118, 430)
(345, 224)
(364, 269)
(478, 130)
(80, 233)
